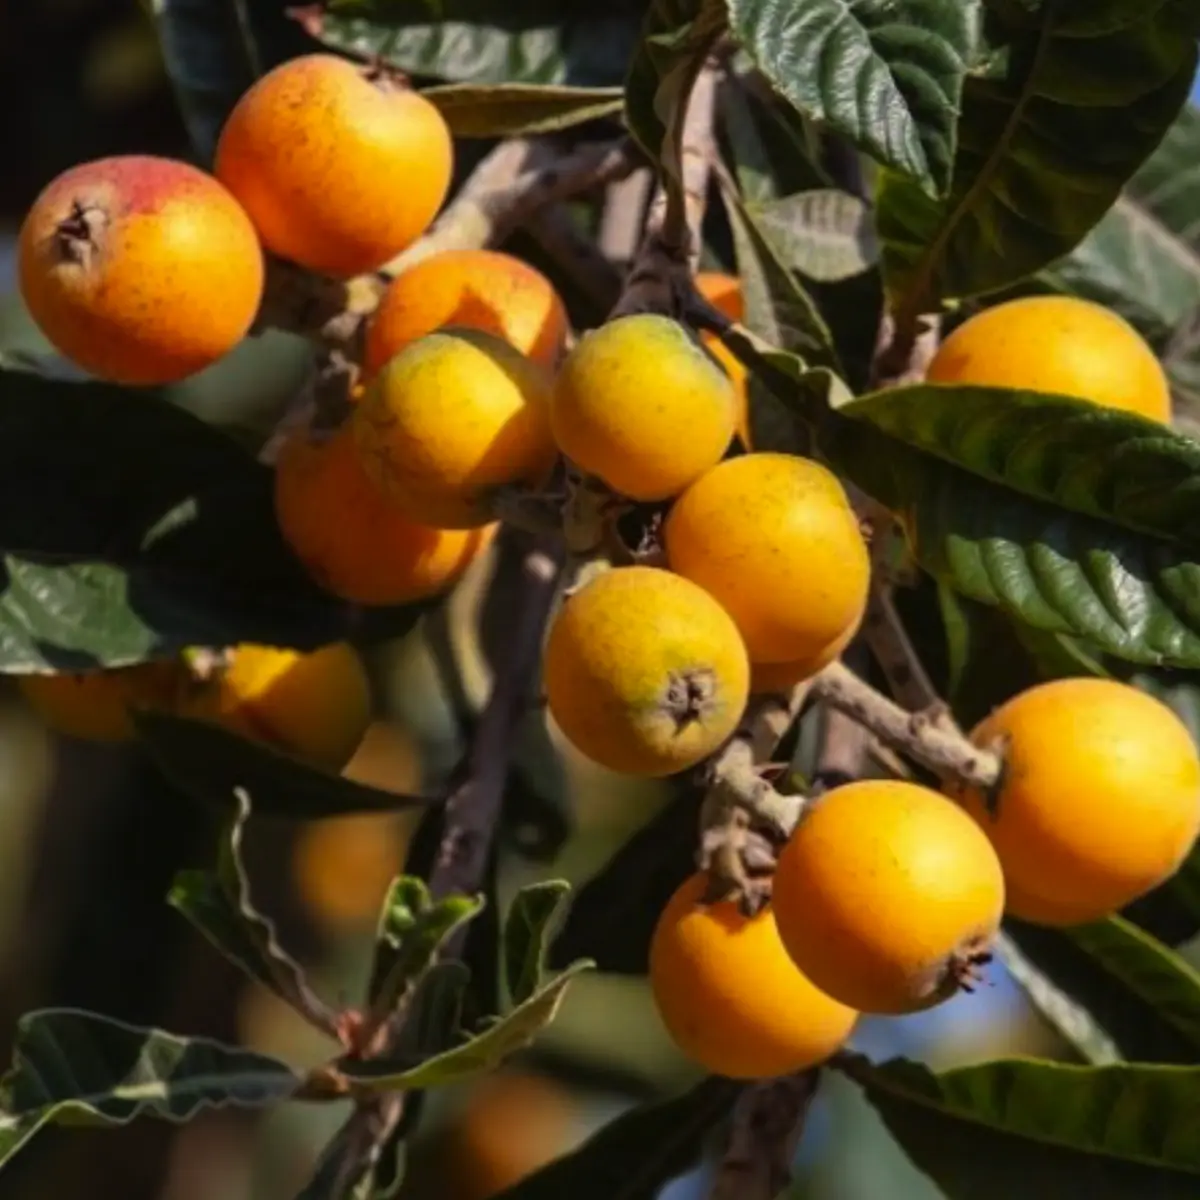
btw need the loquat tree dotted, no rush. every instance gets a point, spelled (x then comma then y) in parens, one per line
(808, 391)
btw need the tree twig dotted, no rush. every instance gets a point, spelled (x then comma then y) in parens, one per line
(768, 1122)
(579, 257)
(624, 215)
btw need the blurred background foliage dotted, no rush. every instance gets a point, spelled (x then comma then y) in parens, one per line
(90, 835)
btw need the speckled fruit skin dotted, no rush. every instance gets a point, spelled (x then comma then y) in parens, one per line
(774, 539)
(95, 705)
(1099, 799)
(141, 270)
(353, 540)
(1057, 344)
(882, 889)
(452, 416)
(639, 405)
(616, 650)
(731, 998)
(315, 706)
(339, 170)
(476, 289)
(724, 293)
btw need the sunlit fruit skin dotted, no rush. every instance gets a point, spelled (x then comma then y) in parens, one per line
(140, 270)
(644, 672)
(475, 289)
(451, 417)
(779, 678)
(731, 997)
(639, 405)
(1099, 799)
(1057, 344)
(724, 293)
(314, 706)
(887, 895)
(774, 539)
(353, 540)
(95, 706)
(339, 167)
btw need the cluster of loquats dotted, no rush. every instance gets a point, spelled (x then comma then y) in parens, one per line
(888, 894)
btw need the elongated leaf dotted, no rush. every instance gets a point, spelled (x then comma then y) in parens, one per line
(413, 928)
(209, 763)
(77, 1067)
(1132, 596)
(433, 1020)
(131, 529)
(888, 75)
(1042, 1130)
(633, 1156)
(530, 924)
(1143, 258)
(1140, 995)
(482, 1052)
(219, 905)
(211, 59)
(1119, 466)
(1054, 122)
(825, 234)
(509, 109)
(587, 44)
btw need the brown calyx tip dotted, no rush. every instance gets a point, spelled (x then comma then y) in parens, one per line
(962, 969)
(77, 238)
(689, 695)
(384, 76)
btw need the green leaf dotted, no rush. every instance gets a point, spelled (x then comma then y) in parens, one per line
(512, 109)
(639, 1152)
(1090, 459)
(1057, 116)
(1135, 597)
(675, 38)
(433, 1021)
(1141, 995)
(531, 923)
(413, 927)
(1042, 1130)
(130, 529)
(219, 905)
(825, 234)
(483, 1051)
(210, 763)
(585, 45)
(211, 60)
(887, 74)
(75, 1067)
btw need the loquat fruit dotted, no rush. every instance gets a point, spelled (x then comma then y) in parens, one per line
(1098, 801)
(731, 997)
(724, 293)
(140, 270)
(644, 672)
(887, 896)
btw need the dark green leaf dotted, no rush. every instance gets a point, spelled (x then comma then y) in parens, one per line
(433, 1022)
(1132, 596)
(825, 234)
(1141, 995)
(1054, 120)
(76, 1067)
(676, 36)
(636, 1154)
(131, 529)
(887, 75)
(209, 763)
(1091, 459)
(211, 59)
(1042, 1130)
(1143, 258)
(484, 1050)
(531, 923)
(511, 109)
(587, 44)
(413, 927)
(219, 905)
